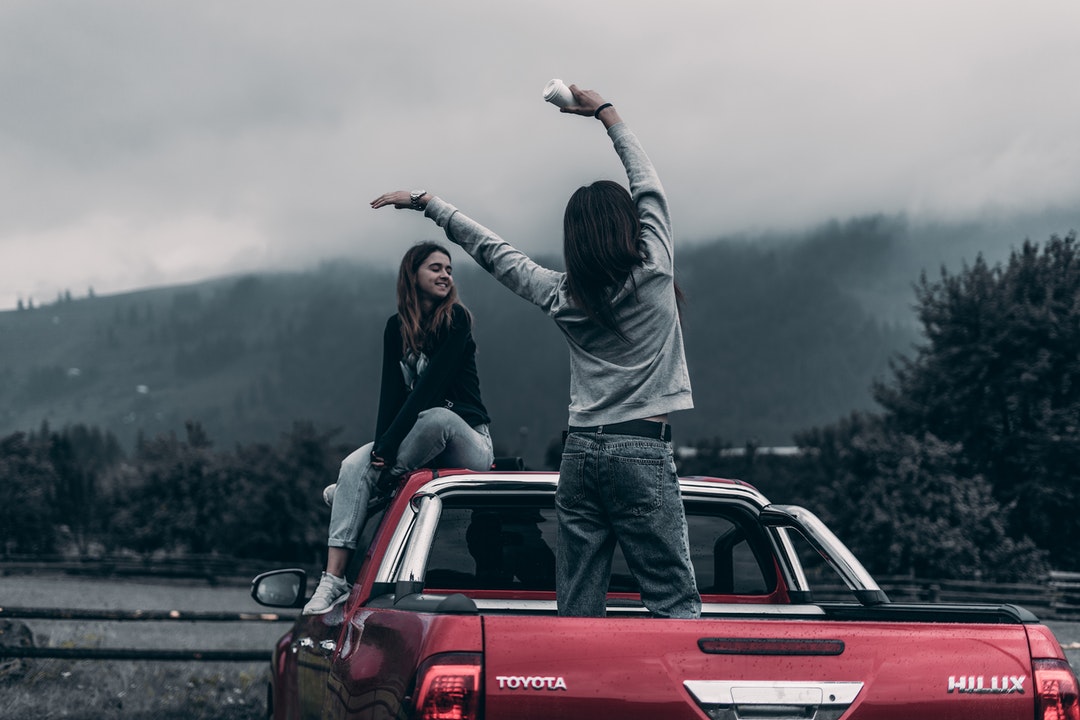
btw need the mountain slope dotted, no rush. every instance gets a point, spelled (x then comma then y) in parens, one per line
(777, 340)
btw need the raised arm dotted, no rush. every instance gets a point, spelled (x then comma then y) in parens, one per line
(647, 191)
(645, 185)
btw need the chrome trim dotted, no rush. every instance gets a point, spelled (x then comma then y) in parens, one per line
(824, 541)
(788, 559)
(540, 483)
(388, 567)
(759, 609)
(740, 609)
(414, 560)
(546, 482)
(763, 693)
(705, 488)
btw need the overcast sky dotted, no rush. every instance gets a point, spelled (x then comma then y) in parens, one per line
(146, 143)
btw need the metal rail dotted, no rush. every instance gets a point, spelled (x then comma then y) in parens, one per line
(136, 654)
(87, 653)
(24, 613)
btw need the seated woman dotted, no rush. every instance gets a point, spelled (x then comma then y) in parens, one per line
(430, 411)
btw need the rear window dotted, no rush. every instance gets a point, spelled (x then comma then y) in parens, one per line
(482, 544)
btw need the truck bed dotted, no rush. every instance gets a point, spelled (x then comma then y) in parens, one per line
(453, 616)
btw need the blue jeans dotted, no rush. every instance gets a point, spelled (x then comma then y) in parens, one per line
(439, 438)
(621, 488)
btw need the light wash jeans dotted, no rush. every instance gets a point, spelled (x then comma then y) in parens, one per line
(439, 438)
(621, 488)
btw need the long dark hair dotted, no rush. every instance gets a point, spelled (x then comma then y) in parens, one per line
(419, 330)
(601, 246)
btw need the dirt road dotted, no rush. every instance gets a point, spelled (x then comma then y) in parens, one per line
(107, 689)
(103, 690)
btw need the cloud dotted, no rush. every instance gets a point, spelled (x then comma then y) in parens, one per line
(257, 132)
(139, 255)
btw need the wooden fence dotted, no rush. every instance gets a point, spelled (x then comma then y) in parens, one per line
(213, 569)
(28, 650)
(1057, 598)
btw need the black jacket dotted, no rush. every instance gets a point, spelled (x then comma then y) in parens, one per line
(450, 381)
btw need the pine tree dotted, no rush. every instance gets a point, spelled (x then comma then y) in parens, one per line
(999, 374)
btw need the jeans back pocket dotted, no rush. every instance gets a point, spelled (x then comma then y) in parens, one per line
(636, 475)
(571, 489)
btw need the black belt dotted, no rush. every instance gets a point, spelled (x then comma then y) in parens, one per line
(637, 428)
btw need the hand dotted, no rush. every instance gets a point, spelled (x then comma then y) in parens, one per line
(377, 462)
(587, 101)
(401, 199)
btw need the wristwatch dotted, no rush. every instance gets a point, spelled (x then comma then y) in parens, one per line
(414, 199)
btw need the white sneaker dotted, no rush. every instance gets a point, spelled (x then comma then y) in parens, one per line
(332, 591)
(328, 494)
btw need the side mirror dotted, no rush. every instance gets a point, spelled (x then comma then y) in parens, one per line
(280, 588)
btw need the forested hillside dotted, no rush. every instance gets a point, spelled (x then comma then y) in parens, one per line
(963, 469)
(777, 335)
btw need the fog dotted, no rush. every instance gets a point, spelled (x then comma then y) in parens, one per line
(156, 143)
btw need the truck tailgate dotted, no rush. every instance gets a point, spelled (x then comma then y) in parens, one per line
(627, 668)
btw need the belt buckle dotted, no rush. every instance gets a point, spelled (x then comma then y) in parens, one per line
(599, 429)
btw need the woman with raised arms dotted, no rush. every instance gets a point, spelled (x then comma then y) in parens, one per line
(617, 304)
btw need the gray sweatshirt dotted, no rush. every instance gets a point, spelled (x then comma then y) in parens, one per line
(611, 379)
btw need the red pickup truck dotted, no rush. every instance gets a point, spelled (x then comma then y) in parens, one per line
(452, 615)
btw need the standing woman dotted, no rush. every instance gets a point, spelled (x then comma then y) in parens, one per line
(430, 411)
(617, 305)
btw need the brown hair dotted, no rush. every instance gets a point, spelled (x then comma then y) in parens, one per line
(418, 331)
(601, 246)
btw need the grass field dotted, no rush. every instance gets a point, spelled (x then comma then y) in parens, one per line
(44, 689)
(103, 690)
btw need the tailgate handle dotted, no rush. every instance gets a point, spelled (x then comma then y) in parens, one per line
(775, 700)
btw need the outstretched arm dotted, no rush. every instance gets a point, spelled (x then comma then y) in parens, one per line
(507, 264)
(401, 199)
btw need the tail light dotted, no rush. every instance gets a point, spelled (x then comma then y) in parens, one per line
(448, 687)
(1056, 691)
